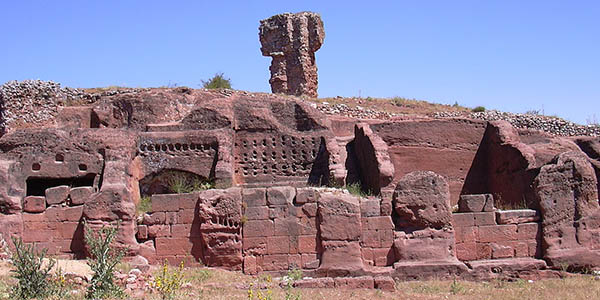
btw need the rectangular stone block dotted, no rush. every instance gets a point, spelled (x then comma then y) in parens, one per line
(501, 251)
(315, 283)
(476, 203)
(306, 195)
(57, 195)
(383, 256)
(484, 218)
(34, 204)
(255, 245)
(370, 208)
(250, 266)
(307, 244)
(72, 214)
(466, 251)
(254, 197)
(517, 216)
(171, 218)
(385, 283)
(534, 248)
(173, 246)
(275, 262)
(310, 261)
(466, 234)
(165, 202)
(278, 245)
(281, 195)
(363, 282)
(255, 228)
(186, 216)
(463, 219)
(294, 261)
(497, 233)
(340, 227)
(154, 218)
(381, 222)
(370, 238)
(38, 236)
(257, 213)
(529, 231)
(70, 230)
(79, 195)
(159, 231)
(386, 236)
(183, 230)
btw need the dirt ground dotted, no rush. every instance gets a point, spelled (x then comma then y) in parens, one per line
(207, 283)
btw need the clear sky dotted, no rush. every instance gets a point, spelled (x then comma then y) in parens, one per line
(508, 55)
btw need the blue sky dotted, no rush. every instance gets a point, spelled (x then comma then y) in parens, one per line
(508, 55)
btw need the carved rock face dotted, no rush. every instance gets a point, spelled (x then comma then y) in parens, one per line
(220, 215)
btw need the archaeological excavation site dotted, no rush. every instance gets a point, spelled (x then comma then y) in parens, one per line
(265, 183)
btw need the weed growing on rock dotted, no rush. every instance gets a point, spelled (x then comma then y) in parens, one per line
(456, 287)
(103, 261)
(478, 109)
(291, 277)
(33, 277)
(167, 282)
(144, 206)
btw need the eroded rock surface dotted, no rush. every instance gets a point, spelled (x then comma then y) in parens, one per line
(292, 40)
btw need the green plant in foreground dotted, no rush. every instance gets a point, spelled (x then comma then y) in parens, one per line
(33, 277)
(217, 82)
(180, 183)
(103, 261)
(167, 283)
(292, 276)
(456, 287)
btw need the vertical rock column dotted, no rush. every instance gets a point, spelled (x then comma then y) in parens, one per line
(292, 40)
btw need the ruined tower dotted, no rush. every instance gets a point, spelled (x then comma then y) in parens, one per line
(292, 40)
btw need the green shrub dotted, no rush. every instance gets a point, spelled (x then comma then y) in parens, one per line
(103, 261)
(217, 82)
(478, 109)
(33, 278)
(180, 183)
(357, 190)
(144, 206)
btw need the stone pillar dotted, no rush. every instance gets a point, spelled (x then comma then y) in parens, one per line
(292, 40)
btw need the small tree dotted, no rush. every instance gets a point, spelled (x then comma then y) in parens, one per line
(217, 82)
(104, 259)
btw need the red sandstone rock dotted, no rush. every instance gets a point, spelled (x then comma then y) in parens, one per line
(422, 200)
(476, 203)
(57, 195)
(568, 195)
(517, 216)
(34, 204)
(291, 40)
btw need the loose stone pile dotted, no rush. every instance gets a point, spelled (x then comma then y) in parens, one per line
(551, 125)
(354, 112)
(36, 101)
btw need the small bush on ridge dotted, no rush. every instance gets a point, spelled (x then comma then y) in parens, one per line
(217, 82)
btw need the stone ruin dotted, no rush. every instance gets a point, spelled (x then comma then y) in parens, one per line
(447, 198)
(436, 188)
(292, 40)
